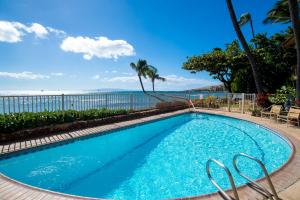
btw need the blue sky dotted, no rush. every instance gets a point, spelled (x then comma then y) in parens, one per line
(88, 44)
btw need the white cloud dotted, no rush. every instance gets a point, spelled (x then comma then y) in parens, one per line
(96, 77)
(73, 76)
(127, 73)
(9, 33)
(13, 32)
(23, 75)
(39, 30)
(183, 81)
(100, 47)
(56, 31)
(122, 79)
(114, 71)
(57, 74)
(171, 81)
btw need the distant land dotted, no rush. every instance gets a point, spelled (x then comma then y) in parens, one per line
(216, 88)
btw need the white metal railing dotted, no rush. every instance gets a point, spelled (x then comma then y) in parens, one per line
(239, 102)
(232, 102)
(40, 103)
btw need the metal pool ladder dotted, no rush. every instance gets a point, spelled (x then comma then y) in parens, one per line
(221, 191)
(251, 183)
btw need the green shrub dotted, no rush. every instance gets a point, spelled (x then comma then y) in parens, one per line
(17, 121)
(256, 112)
(281, 95)
(210, 101)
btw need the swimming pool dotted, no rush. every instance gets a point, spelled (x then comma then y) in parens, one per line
(162, 159)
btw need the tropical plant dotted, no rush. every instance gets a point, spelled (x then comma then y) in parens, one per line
(295, 18)
(262, 100)
(246, 18)
(257, 79)
(279, 13)
(231, 67)
(152, 73)
(141, 68)
(282, 95)
(211, 101)
(17, 121)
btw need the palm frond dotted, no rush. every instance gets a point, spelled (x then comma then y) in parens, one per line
(161, 78)
(244, 19)
(279, 13)
(133, 66)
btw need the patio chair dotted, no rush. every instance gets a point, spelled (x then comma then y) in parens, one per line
(292, 116)
(273, 112)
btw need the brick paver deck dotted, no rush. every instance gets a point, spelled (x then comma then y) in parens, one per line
(286, 180)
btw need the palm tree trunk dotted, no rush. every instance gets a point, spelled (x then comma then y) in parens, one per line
(140, 79)
(252, 29)
(241, 37)
(153, 85)
(294, 12)
(141, 82)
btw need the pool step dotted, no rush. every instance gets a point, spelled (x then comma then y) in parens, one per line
(271, 195)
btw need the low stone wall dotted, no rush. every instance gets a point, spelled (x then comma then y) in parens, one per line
(77, 125)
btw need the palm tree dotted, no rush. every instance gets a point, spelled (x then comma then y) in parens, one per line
(246, 18)
(153, 75)
(280, 13)
(248, 52)
(294, 13)
(141, 67)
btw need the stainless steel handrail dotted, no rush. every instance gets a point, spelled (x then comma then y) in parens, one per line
(178, 97)
(225, 195)
(273, 191)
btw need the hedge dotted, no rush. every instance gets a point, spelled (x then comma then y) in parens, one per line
(18, 121)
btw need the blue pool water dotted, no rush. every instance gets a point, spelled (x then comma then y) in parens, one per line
(163, 159)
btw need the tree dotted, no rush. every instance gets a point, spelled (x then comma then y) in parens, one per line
(152, 73)
(294, 13)
(280, 13)
(141, 68)
(221, 64)
(232, 68)
(248, 52)
(276, 64)
(246, 18)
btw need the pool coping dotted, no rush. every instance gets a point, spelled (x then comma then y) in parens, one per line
(12, 189)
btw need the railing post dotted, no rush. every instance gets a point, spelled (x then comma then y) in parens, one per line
(106, 101)
(63, 102)
(228, 102)
(149, 102)
(8, 102)
(254, 100)
(131, 101)
(243, 102)
(3, 100)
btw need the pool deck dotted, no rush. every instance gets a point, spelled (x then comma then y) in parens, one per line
(286, 180)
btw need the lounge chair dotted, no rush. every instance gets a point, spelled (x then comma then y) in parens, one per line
(292, 116)
(274, 111)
